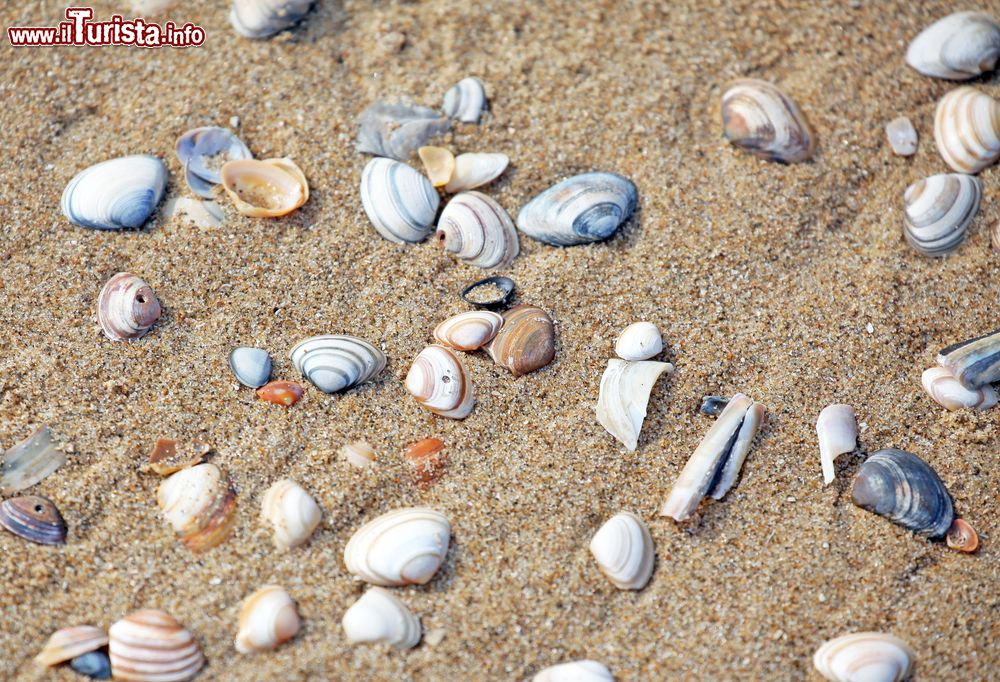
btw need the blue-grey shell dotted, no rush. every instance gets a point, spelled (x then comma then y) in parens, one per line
(251, 366)
(198, 146)
(975, 362)
(400, 202)
(33, 518)
(116, 194)
(335, 362)
(397, 130)
(264, 18)
(585, 208)
(93, 664)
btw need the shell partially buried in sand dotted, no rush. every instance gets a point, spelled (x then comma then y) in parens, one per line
(151, 646)
(268, 619)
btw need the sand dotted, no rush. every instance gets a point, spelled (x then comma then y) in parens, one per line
(763, 278)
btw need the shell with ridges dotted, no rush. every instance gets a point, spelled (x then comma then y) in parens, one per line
(151, 646)
(396, 130)
(251, 366)
(292, 512)
(624, 551)
(525, 342)
(33, 518)
(624, 394)
(466, 100)
(201, 149)
(337, 362)
(949, 392)
(761, 119)
(575, 671)
(439, 164)
(960, 46)
(378, 616)
(268, 619)
(976, 362)
(402, 547)
(400, 202)
(639, 341)
(468, 331)
(491, 292)
(477, 230)
(967, 129)
(938, 211)
(127, 307)
(268, 188)
(585, 208)
(71, 642)
(475, 170)
(30, 461)
(441, 383)
(116, 194)
(264, 18)
(837, 431)
(200, 505)
(864, 657)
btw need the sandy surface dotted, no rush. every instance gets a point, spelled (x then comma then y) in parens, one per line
(762, 278)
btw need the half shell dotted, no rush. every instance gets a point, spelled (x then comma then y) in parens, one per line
(477, 230)
(402, 547)
(69, 643)
(584, 208)
(378, 616)
(397, 130)
(170, 455)
(30, 461)
(962, 536)
(292, 512)
(475, 170)
(251, 366)
(268, 619)
(525, 342)
(468, 331)
(949, 392)
(336, 362)
(400, 202)
(761, 119)
(466, 100)
(127, 307)
(33, 518)
(624, 551)
(116, 194)
(975, 362)
(625, 389)
(151, 646)
(938, 211)
(967, 129)
(491, 292)
(200, 505)
(639, 341)
(263, 18)
(837, 430)
(269, 188)
(960, 46)
(203, 151)
(576, 671)
(440, 382)
(864, 657)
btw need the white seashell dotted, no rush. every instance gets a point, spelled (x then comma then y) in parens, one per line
(292, 511)
(864, 657)
(358, 454)
(902, 136)
(585, 208)
(761, 119)
(30, 461)
(200, 505)
(202, 153)
(250, 366)
(469, 331)
(263, 18)
(938, 211)
(949, 392)
(71, 642)
(203, 214)
(116, 194)
(837, 430)
(151, 646)
(268, 619)
(958, 47)
(475, 170)
(268, 188)
(625, 389)
(576, 671)
(439, 164)
(639, 341)
(466, 100)
(440, 382)
(402, 547)
(400, 202)
(477, 230)
(967, 129)
(396, 130)
(336, 362)
(378, 616)
(624, 552)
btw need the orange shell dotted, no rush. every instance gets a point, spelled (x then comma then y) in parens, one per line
(427, 460)
(962, 536)
(285, 393)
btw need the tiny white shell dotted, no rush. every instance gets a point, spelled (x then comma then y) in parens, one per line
(440, 382)
(402, 547)
(625, 389)
(639, 341)
(477, 230)
(938, 211)
(466, 100)
(960, 46)
(761, 119)
(292, 511)
(575, 671)
(116, 194)
(837, 430)
(358, 454)
(902, 136)
(967, 129)
(378, 616)
(268, 618)
(949, 392)
(263, 18)
(469, 331)
(400, 202)
(624, 551)
(864, 657)
(475, 170)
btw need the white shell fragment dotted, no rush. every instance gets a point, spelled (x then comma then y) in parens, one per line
(358, 454)
(639, 341)
(902, 136)
(938, 211)
(202, 153)
(402, 547)
(949, 392)
(837, 430)
(468, 331)
(250, 366)
(625, 389)
(292, 512)
(397, 130)
(337, 362)
(264, 18)
(30, 461)
(466, 100)
(268, 619)
(475, 170)
(379, 617)
(477, 230)
(864, 657)
(967, 129)
(203, 214)
(441, 383)
(624, 551)
(575, 671)
(116, 194)
(960, 46)
(400, 202)
(585, 208)
(761, 119)
(267, 188)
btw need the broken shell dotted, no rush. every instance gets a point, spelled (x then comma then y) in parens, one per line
(958, 47)
(475, 170)
(525, 342)
(402, 547)
(267, 188)
(279, 392)
(639, 341)
(713, 405)
(585, 208)
(624, 394)
(575, 671)
(358, 454)
(466, 100)
(292, 511)
(902, 136)
(837, 430)
(397, 130)
(492, 292)
(94, 664)
(864, 657)
(624, 552)
(427, 460)
(264, 18)
(948, 392)
(761, 119)
(938, 211)
(200, 505)
(976, 362)
(440, 382)
(439, 164)
(33, 518)
(477, 230)
(468, 331)
(268, 619)
(203, 151)
(378, 616)
(203, 214)
(967, 129)
(127, 307)
(400, 202)
(251, 366)
(904, 489)
(116, 194)
(170, 456)
(962, 536)
(151, 646)
(337, 362)
(30, 461)
(69, 643)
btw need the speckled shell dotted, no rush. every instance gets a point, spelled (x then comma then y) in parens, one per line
(69, 643)
(639, 341)
(268, 619)
(396, 130)
(575, 671)
(468, 331)
(151, 646)
(761, 119)
(949, 392)
(33, 518)
(202, 149)
(938, 211)
(476, 230)
(400, 202)
(402, 547)
(127, 307)
(200, 505)
(976, 362)
(292, 512)
(624, 551)
(475, 170)
(589, 207)
(251, 366)
(116, 194)
(466, 100)
(379, 617)
(525, 342)
(264, 18)
(440, 382)
(967, 129)
(837, 431)
(902, 136)
(268, 188)
(337, 362)
(960, 46)
(624, 394)
(864, 657)
(30, 461)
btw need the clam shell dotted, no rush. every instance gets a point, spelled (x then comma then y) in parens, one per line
(589, 207)
(127, 307)
(268, 619)
(336, 362)
(379, 617)
(439, 164)
(170, 456)
(958, 47)
(466, 100)
(69, 643)
(468, 331)
(713, 405)
(402, 547)
(251, 366)
(525, 342)
(151, 646)
(477, 230)
(203, 151)
(426, 459)
(279, 392)
(397, 130)
(358, 454)
(200, 505)
(30, 461)
(761, 119)
(269, 188)
(400, 202)
(575, 671)
(292, 512)
(976, 362)
(116, 194)
(94, 664)
(263, 18)
(440, 382)
(33, 518)
(864, 657)
(904, 489)
(639, 341)
(492, 292)
(902, 136)
(624, 551)
(475, 170)
(625, 389)
(837, 430)
(967, 129)
(949, 392)
(962, 536)
(938, 211)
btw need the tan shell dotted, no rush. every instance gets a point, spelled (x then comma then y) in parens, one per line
(440, 382)
(967, 129)
(268, 619)
(864, 656)
(292, 511)
(127, 308)
(476, 230)
(71, 642)
(526, 342)
(151, 646)
(200, 504)
(358, 454)
(761, 119)
(401, 547)
(468, 331)
(170, 455)
(267, 188)
(427, 459)
(439, 164)
(475, 170)
(962, 536)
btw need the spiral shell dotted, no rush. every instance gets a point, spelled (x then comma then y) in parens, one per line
(251, 366)
(440, 382)
(960, 46)
(292, 511)
(200, 505)
(33, 518)
(268, 619)
(127, 307)
(336, 362)
(938, 212)
(589, 207)
(525, 342)
(864, 656)
(949, 392)
(837, 431)
(976, 362)
(201, 150)
(468, 331)
(902, 136)
(264, 18)
(402, 547)
(400, 202)
(639, 341)
(69, 643)
(624, 552)
(761, 119)
(268, 188)
(575, 671)
(967, 129)
(466, 100)
(426, 459)
(116, 194)
(378, 616)
(396, 130)
(475, 170)
(625, 389)
(358, 454)
(30, 461)
(151, 646)
(477, 230)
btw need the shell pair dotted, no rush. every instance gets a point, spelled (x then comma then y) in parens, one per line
(974, 363)
(292, 512)
(80, 646)
(200, 504)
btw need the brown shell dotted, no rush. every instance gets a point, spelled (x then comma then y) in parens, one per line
(151, 646)
(427, 460)
(962, 536)
(995, 236)
(127, 307)
(169, 455)
(525, 342)
(71, 642)
(280, 392)
(216, 525)
(33, 518)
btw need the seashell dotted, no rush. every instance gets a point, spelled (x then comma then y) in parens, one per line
(200, 505)
(292, 511)
(151, 646)
(358, 454)
(440, 382)
(475, 170)
(948, 392)
(837, 430)
(285, 393)
(397, 130)
(335, 362)
(264, 18)
(378, 616)
(713, 405)
(203, 214)
(400, 202)
(902, 136)
(962, 536)
(576, 671)
(170, 456)
(203, 151)
(625, 389)
(468, 331)
(265, 189)
(251, 366)
(958, 47)
(69, 643)
(402, 547)
(127, 307)
(995, 237)
(439, 164)
(466, 100)
(975, 362)
(624, 552)
(639, 341)
(938, 211)
(33, 518)
(94, 664)
(492, 292)
(967, 129)
(30, 461)
(427, 460)
(477, 230)
(864, 657)
(904, 489)
(759, 118)
(585, 208)
(525, 342)
(717, 460)
(268, 619)
(116, 194)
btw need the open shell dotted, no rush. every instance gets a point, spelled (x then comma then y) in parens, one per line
(400, 202)
(200, 505)
(585, 208)
(962, 536)
(127, 307)
(468, 331)
(268, 619)
(466, 100)
(949, 392)
(864, 657)
(639, 341)
(477, 230)
(268, 188)
(976, 362)
(475, 170)
(575, 671)
(967, 129)
(151, 646)
(203, 151)
(938, 211)
(336, 362)
(116, 194)
(264, 18)
(440, 382)
(379, 617)
(491, 292)
(69, 643)
(402, 547)
(625, 389)
(292, 512)
(624, 551)
(958, 47)
(397, 130)
(33, 518)
(837, 430)
(525, 342)
(251, 366)
(761, 119)
(30, 461)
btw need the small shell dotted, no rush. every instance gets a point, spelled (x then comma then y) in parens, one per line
(492, 292)
(639, 341)
(761, 119)
(151, 646)
(71, 642)
(625, 389)
(268, 619)
(837, 430)
(962, 536)
(967, 129)
(127, 307)
(292, 512)
(251, 366)
(203, 151)
(948, 392)
(33, 518)
(265, 189)
(585, 208)
(938, 211)
(200, 505)
(976, 362)
(427, 460)
(358, 454)
(285, 393)
(475, 170)
(400, 202)
(995, 237)
(958, 47)
(170, 456)
(440, 382)
(468, 331)
(203, 214)
(439, 164)
(624, 551)
(402, 547)
(94, 664)
(902, 136)
(466, 100)
(477, 230)
(525, 342)
(864, 657)
(116, 194)
(336, 362)
(263, 18)
(30, 461)
(379, 617)
(713, 405)
(397, 130)
(576, 671)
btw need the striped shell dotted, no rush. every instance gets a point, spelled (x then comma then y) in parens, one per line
(116, 194)
(200, 505)
(525, 342)
(127, 307)
(475, 170)
(440, 382)
(30, 461)
(466, 100)
(477, 230)
(967, 129)
(575, 671)
(268, 188)
(151, 646)
(585, 208)
(761, 119)
(268, 619)
(263, 18)
(71, 642)
(202, 151)
(949, 392)
(336, 362)
(624, 394)
(864, 657)
(292, 512)
(938, 211)
(396, 130)
(402, 547)
(33, 518)
(976, 362)
(624, 551)
(400, 202)
(958, 47)
(379, 617)
(468, 331)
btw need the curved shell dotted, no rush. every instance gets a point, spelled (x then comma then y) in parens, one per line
(427, 459)
(902, 136)
(585, 208)
(624, 394)
(976, 362)
(477, 230)
(904, 489)
(491, 292)
(379, 617)
(440, 382)
(939, 210)
(624, 551)
(468, 331)
(337, 362)
(30, 461)
(280, 392)
(267, 188)
(200, 505)
(575, 671)
(949, 392)
(466, 100)
(837, 431)
(525, 342)
(439, 164)
(400, 202)
(71, 642)
(151, 646)
(203, 151)
(864, 656)
(761, 119)
(958, 47)
(116, 194)
(962, 536)
(967, 129)
(251, 366)
(358, 454)
(402, 547)
(292, 511)
(33, 518)
(475, 170)
(263, 18)
(639, 341)
(268, 619)
(396, 130)
(127, 307)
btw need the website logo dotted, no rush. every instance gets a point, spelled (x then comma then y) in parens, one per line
(80, 29)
